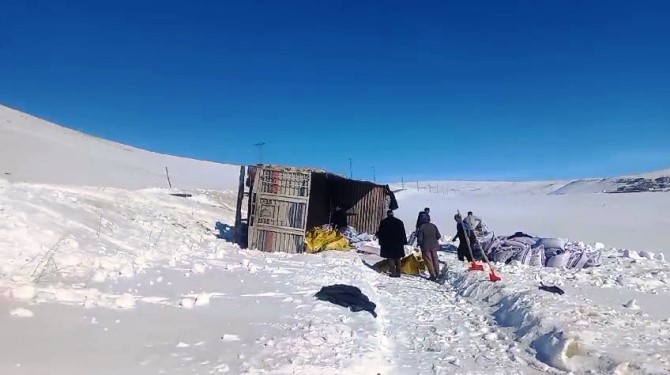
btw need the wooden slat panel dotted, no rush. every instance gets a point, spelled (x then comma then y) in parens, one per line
(270, 241)
(370, 209)
(280, 209)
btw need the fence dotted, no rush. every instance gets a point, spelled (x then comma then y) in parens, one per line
(430, 187)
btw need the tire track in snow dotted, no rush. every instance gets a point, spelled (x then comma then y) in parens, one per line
(435, 331)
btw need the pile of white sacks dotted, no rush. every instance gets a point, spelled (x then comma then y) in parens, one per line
(355, 239)
(542, 252)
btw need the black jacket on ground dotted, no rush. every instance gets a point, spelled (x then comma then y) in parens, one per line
(392, 238)
(347, 296)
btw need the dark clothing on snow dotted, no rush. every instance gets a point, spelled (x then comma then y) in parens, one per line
(552, 289)
(423, 217)
(427, 236)
(347, 296)
(392, 238)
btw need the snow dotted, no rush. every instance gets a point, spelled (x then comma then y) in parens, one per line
(627, 221)
(34, 150)
(127, 276)
(578, 330)
(588, 186)
(103, 271)
(457, 188)
(21, 313)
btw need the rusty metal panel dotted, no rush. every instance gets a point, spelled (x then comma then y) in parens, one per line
(369, 209)
(281, 213)
(270, 241)
(287, 183)
(278, 216)
(365, 202)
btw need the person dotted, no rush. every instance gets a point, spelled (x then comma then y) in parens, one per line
(428, 237)
(472, 225)
(463, 251)
(472, 222)
(392, 240)
(424, 217)
(339, 219)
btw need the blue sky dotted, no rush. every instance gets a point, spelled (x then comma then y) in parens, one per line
(494, 89)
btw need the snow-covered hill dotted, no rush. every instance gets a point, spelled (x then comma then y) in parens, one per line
(455, 188)
(642, 182)
(34, 150)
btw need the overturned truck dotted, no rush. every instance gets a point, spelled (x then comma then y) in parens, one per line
(283, 203)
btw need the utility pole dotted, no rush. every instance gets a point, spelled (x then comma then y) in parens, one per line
(374, 174)
(351, 170)
(260, 151)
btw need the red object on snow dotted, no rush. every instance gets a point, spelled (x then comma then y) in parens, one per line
(474, 266)
(493, 277)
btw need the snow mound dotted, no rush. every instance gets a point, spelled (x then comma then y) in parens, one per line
(576, 331)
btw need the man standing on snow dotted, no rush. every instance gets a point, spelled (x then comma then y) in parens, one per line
(392, 240)
(463, 251)
(428, 237)
(424, 217)
(471, 222)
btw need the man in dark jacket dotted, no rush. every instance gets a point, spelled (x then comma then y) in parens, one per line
(428, 237)
(392, 240)
(463, 251)
(424, 217)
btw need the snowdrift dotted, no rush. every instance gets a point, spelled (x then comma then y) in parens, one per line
(576, 332)
(113, 281)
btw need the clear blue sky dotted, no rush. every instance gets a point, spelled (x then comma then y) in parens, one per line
(443, 90)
